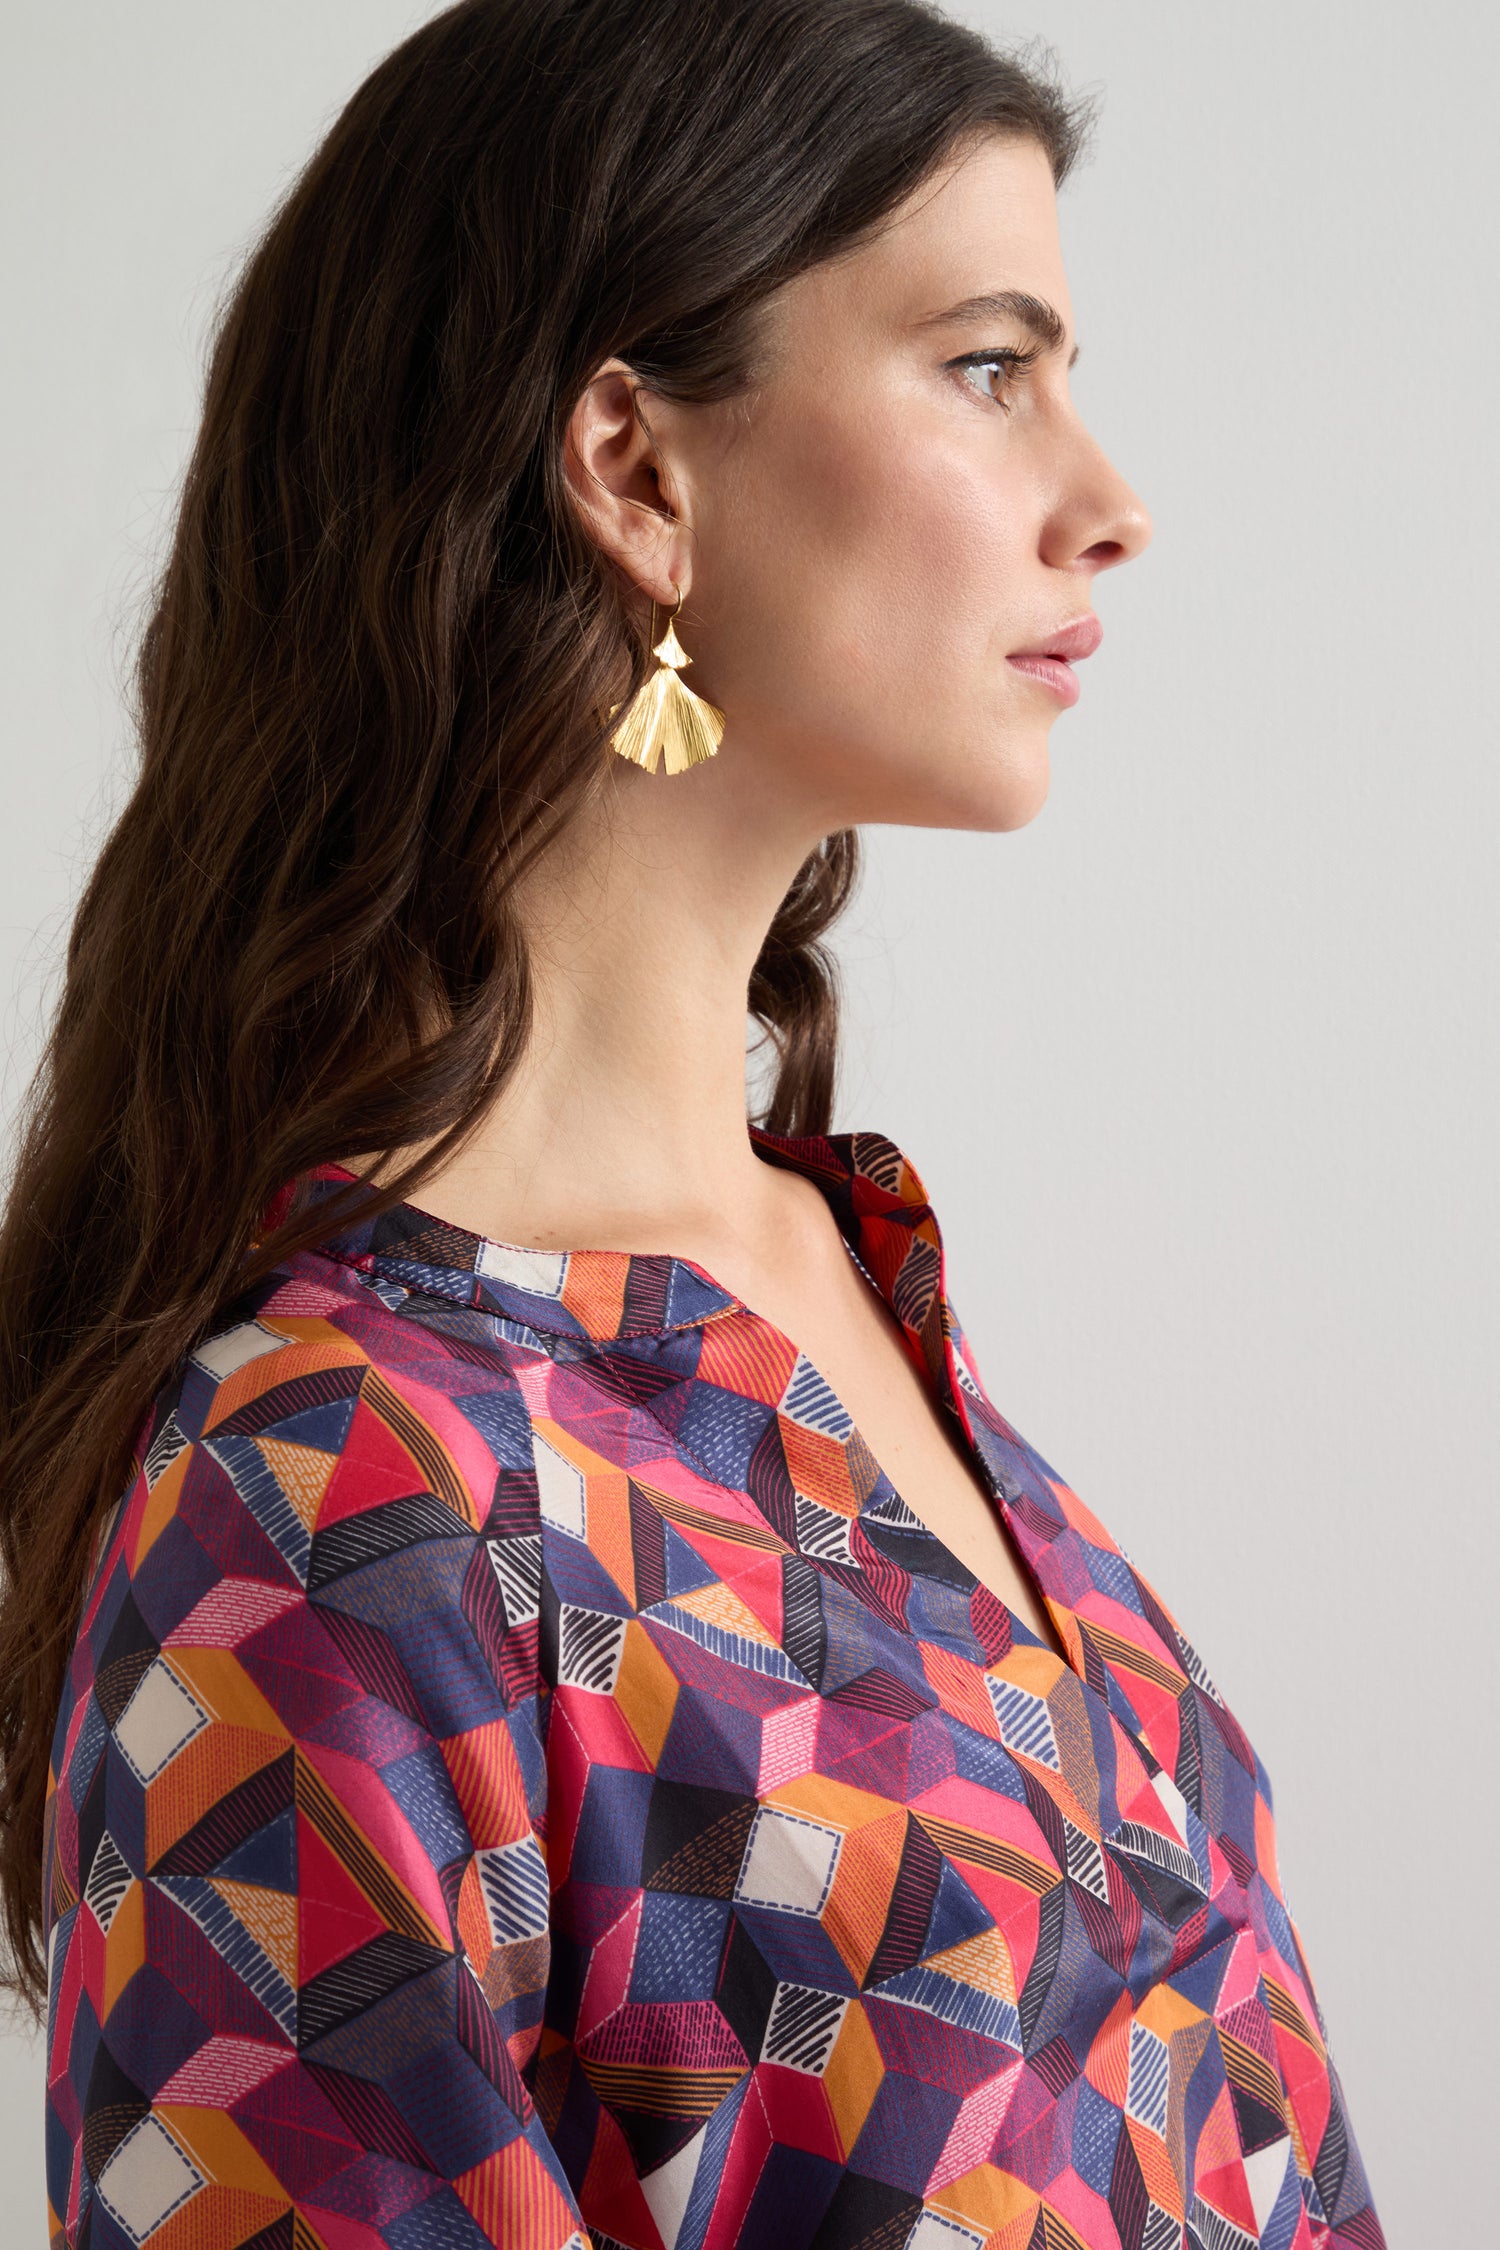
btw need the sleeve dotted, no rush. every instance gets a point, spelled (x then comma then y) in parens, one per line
(299, 1925)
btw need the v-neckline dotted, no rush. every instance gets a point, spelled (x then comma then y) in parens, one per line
(880, 1207)
(945, 1395)
(940, 1380)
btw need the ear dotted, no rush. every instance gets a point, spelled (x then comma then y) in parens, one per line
(621, 485)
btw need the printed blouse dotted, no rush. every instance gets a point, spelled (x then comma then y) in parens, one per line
(526, 1777)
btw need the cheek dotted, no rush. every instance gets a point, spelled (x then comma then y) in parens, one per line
(883, 575)
(929, 570)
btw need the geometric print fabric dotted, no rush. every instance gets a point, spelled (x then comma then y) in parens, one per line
(525, 1776)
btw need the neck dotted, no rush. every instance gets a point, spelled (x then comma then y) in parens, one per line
(624, 1125)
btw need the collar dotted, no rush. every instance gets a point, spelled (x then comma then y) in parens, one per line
(604, 1296)
(873, 1189)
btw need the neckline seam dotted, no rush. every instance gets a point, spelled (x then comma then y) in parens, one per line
(789, 1151)
(371, 1265)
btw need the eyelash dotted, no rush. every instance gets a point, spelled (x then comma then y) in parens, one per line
(1008, 356)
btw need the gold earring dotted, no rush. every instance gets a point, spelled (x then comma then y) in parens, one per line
(665, 715)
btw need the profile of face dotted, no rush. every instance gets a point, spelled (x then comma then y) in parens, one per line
(905, 501)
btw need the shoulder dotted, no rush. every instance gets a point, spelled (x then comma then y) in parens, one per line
(322, 1476)
(356, 1396)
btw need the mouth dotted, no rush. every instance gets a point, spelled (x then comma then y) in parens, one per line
(1051, 661)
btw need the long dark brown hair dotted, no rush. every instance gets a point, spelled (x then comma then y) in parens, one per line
(375, 681)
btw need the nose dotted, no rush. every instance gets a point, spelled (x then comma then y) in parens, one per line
(1099, 520)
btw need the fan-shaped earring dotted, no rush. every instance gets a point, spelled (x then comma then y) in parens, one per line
(664, 717)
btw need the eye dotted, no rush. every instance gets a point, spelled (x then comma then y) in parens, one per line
(1010, 362)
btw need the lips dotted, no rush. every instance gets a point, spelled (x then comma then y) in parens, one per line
(1051, 661)
(1071, 643)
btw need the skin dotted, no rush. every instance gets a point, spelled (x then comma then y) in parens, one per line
(860, 542)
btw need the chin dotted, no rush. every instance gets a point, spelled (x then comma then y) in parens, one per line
(997, 790)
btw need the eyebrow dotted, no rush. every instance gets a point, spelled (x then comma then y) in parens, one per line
(1034, 314)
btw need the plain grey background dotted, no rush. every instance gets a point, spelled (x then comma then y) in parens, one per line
(1199, 1067)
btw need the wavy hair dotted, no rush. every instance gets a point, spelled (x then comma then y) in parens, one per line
(373, 682)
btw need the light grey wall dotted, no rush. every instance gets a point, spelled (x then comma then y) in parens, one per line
(1199, 1067)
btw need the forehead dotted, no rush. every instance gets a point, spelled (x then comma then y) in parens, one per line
(986, 221)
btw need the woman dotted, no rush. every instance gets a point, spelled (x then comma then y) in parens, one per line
(548, 1704)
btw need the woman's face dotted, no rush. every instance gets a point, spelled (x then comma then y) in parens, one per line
(895, 511)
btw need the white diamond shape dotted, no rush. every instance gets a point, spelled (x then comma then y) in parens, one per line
(541, 1273)
(559, 1489)
(160, 1719)
(1265, 2173)
(224, 1354)
(146, 2180)
(667, 2188)
(1173, 1803)
(788, 1863)
(935, 2232)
